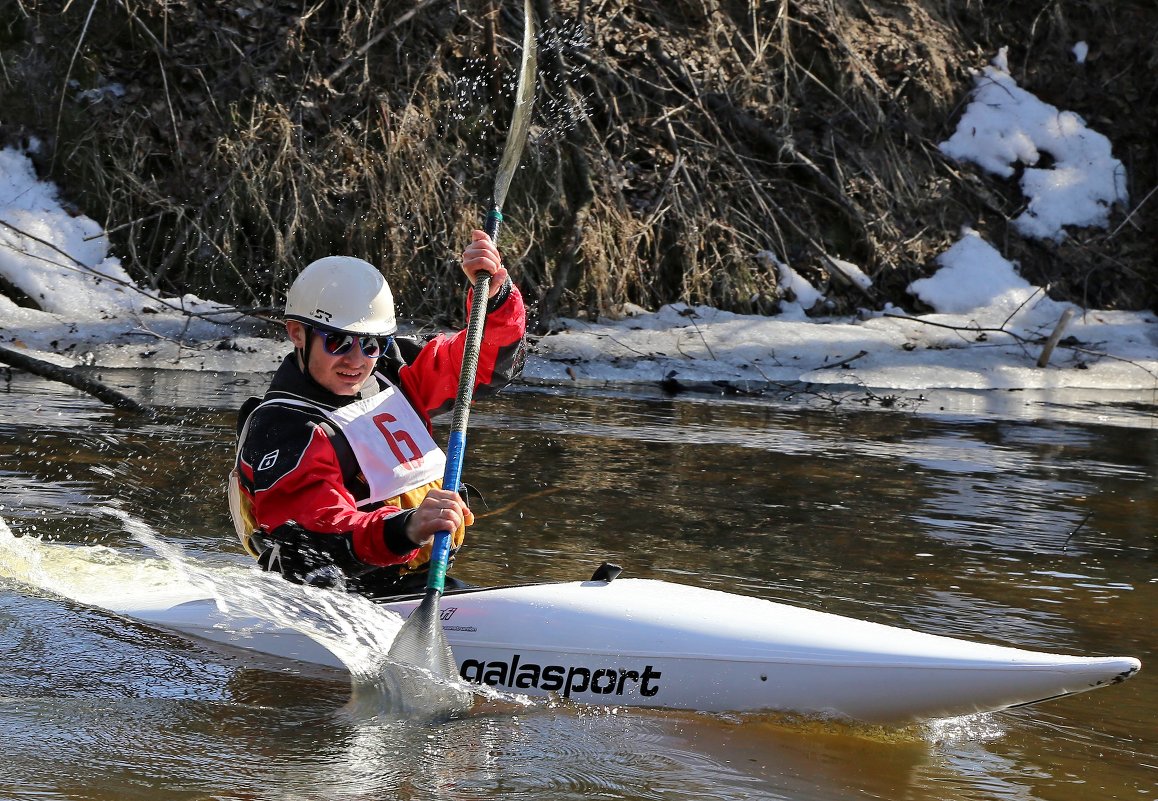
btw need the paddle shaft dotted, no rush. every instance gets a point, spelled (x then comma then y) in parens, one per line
(456, 445)
(512, 151)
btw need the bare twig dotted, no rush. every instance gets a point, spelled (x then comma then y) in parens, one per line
(1133, 211)
(1051, 343)
(843, 363)
(71, 63)
(972, 329)
(402, 19)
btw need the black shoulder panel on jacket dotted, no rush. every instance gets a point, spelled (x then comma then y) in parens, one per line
(277, 440)
(245, 411)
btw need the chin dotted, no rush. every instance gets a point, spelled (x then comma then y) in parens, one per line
(344, 388)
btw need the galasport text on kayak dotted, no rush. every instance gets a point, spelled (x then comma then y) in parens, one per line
(520, 675)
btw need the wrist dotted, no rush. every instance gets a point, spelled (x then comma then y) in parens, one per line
(396, 533)
(497, 299)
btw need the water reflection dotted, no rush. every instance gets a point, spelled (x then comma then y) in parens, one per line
(957, 525)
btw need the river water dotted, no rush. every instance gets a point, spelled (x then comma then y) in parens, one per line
(1034, 530)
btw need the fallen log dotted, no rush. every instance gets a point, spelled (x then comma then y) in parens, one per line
(74, 378)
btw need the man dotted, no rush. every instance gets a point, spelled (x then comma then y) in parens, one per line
(338, 477)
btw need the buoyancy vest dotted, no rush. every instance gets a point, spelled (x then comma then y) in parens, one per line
(240, 505)
(503, 362)
(388, 458)
(383, 445)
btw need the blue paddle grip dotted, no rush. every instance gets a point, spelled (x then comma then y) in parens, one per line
(439, 556)
(455, 448)
(451, 476)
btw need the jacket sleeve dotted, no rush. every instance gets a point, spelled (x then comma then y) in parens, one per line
(311, 493)
(430, 381)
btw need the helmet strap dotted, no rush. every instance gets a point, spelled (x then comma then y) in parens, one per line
(303, 353)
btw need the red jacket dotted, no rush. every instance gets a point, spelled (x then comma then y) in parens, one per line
(308, 474)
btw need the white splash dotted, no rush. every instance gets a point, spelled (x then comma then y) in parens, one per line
(354, 629)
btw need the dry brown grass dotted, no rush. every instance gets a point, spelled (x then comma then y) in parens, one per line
(674, 141)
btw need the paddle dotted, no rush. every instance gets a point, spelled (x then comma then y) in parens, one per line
(421, 640)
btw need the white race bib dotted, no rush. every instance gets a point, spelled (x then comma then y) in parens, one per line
(390, 442)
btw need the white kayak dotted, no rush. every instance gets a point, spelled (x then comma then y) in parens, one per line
(641, 642)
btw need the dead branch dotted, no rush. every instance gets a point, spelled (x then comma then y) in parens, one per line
(74, 378)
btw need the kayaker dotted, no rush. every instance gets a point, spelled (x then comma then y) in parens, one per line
(338, 477)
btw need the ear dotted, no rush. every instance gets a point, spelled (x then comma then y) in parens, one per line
(297, 333)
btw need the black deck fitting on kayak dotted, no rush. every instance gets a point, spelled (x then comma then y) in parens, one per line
(606, 572)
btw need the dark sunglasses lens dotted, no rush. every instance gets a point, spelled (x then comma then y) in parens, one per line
(336, 344)
(371, 347)
(339, 344)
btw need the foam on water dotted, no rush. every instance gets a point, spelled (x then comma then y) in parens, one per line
(354, 629)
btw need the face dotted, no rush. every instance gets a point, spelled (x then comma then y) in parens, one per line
(344, 374)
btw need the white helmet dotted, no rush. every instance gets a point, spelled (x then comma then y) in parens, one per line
(341, 293)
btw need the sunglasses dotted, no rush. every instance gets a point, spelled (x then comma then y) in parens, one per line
(336, 343)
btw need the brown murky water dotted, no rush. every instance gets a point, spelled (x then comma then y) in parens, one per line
(1039, 533)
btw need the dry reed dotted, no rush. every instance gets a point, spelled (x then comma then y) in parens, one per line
(226, 144)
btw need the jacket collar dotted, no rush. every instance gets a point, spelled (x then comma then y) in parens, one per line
(290, 381)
